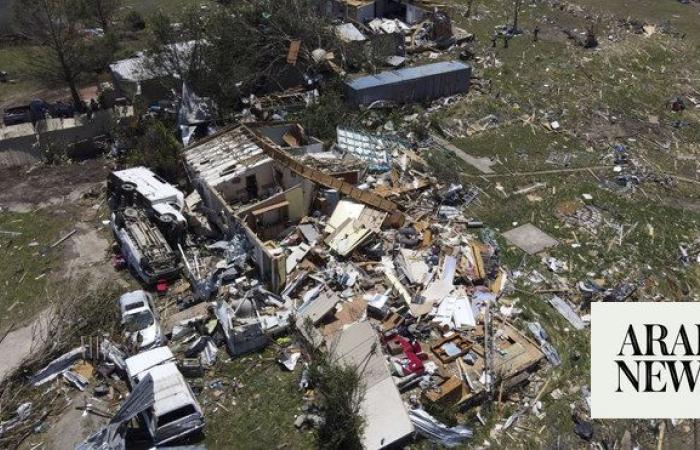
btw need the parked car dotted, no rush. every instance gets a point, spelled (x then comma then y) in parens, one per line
(16, 115)
(62, 110)
(139, 319)
(35, 111)
(175, 413)
(39, 110)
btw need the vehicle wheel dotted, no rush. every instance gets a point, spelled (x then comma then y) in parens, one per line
(130, 213)
(166, 218)
(128, 187)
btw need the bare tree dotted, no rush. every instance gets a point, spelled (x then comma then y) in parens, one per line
(59, 55)
(102, 11)
(176, 51)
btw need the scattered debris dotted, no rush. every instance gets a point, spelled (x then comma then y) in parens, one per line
(436, 431)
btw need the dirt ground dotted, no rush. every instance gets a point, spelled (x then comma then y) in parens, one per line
(71, 428)
(23, 189)
(73, 193)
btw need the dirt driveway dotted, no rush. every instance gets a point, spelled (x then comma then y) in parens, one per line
(75, 194)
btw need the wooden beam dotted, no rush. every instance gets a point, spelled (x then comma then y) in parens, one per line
(366, 196)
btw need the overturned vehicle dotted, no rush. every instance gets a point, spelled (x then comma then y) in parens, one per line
(147, 222)
(143, 246)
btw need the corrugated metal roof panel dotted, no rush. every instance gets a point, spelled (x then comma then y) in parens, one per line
(225, 156)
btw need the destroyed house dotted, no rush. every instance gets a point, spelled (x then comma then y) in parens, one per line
(135, 76)
(251, 184)
(244, 189)
(413, 84)
(409, 11)
(381, 38)
(25, 143)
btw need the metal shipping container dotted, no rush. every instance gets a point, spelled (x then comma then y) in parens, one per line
(412, 84)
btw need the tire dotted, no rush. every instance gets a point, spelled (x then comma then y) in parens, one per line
(128, 187)
(166, 218)
(130, 213)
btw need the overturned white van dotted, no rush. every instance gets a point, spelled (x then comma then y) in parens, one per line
(139, 186)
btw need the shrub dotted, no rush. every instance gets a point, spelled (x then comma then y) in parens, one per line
(135, 21)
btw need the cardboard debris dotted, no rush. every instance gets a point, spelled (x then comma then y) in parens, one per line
(530, 239)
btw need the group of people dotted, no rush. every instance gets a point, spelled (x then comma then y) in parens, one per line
(509, 34)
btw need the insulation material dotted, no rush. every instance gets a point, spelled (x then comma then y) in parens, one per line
(414, 266)
(429, 427)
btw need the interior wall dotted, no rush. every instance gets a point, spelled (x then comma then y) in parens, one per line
(235, 189)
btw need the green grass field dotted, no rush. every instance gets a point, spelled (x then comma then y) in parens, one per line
(25, 263)
(617, 93)
(258, 409)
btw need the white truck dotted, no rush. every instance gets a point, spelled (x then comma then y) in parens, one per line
(175, 413)
(139, 186)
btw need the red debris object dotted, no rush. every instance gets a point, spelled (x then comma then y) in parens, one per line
(414, 354)
(162, 287)
(118, 262)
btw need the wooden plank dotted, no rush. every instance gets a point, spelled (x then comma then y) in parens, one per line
(367, 197)
(293, 53)
(265, 209)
